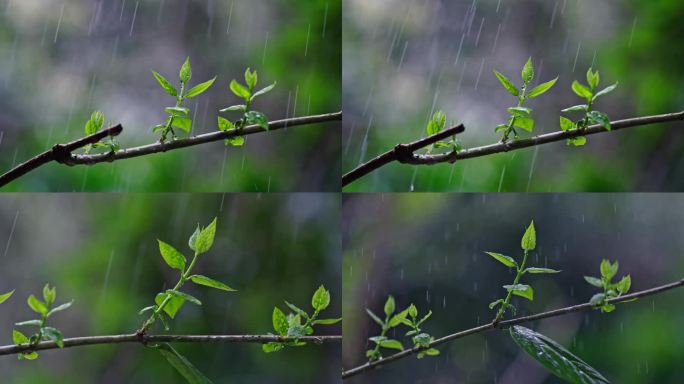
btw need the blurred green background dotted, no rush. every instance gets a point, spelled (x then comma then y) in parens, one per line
(405, 59)
(427, 249)
(101, 250)
(62, 59)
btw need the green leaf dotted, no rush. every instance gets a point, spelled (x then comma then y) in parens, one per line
(540, 270)
(397, 319)
(272, 347)
(529, 239)
(36, 305)
(576, 108)
(173, 304)
(49, 294)
(519, 111)
(185, 72)
(165, 84)
(184, 296)
(95, 123)
(189, 372)
(503, 259)
(199, 88)
(593, 79)
(209, 282)
(390, 306)
(55, 335)
(320, 299)
(596, 282)
(184, 123)
(202, 241)
(607, 307)
(541, 88)
(510, 87)
(437, 123)
(432, 352)
(597, 299)
(527, 73)
(6, 296)
(28, 355)
(500, 127)
(60, 308)
(608, 269)
(495, 303)
(29, 323)
(521, 290)
(326, 321)
(225, 124)
(146, 309)
(566, 124)
(577, 141)
(177, 111)
(375, 317)
(257, 118)
(263, 91)
(599, 118)
(239, 90)
(605, 91)
(624, 284)
(297, 310)
(279, 320)
(235, 141)
(392, 344)
(581, 90)
(525, 123)
(412, 310)
(171, 256)
(427, 316)
(555, 358)
(163, 319)
(234, 108)
(19, 338)
(251, 78)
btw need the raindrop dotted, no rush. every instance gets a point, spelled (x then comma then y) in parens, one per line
(579, 46)
(9, 238)
(631, 36)
(59, 23)
(135, 13)
(306, 47)
(479, 74)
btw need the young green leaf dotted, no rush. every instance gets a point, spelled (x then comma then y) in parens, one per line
(608, 269)
(251, 78)
(519, 111)
(326, 321)
(19, 338)
(37, 305)
(189, 372)
(495, 303)
(510, 87)
(596, 282)
(555, 358)
(235, 141)
(263, 91)
(503, 259)
(599, 118)
(581, 90)
(566, 124)
(173, 304)
(54, 334)
(257, 118)
(184, 296)
(29, 323)
(184, 123)
(527, 73)
(225, 124)
(390, 306)
(437, 123)
(392, 344)
(272, 347)
(6, 296)
(624, 284)
(577, 141)
(576, 108)
(540, 270)
(529, 239)
(593, 79)
(95, 123)
(522, 290)
(279, 320)
(60, 308)
(177, 111)
(239, 90)
(541, 88)
(209, 282)
(203, 241)
(199, 88)
(605, 91)
(525, 123)
(171, 256)
(234, 108)
(375, 317)
(185, 72)
(165, 84)
(320, 299)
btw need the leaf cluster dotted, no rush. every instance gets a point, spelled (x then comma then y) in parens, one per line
(610, 290)
(45, 309)
(408, 317)
(589, 93)
(299, 322)
(93, 125)
(436, 125)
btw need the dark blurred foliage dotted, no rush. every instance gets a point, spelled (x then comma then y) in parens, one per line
(434, 54)
(101, 250)
(61, 59)
(427, 249)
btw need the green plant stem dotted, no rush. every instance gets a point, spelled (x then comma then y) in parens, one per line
(521, 100)
(506, 302)
(179, 103)
(183, 278)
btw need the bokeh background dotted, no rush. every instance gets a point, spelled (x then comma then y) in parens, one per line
(405, 58)
(62, 59)
(101, 250)
(427, 249)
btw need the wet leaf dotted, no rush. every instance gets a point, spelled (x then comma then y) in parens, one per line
(182, 365)
(165, 84)
(503, 259)
(541, 88)
(527, 73)
(507, 84)
(171, 256)
(199, 88)
(529, 239)
(605, 91)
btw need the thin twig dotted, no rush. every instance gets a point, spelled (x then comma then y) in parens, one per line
(144, 339)
(73, 159)
(487, 327)
(500, 147)
(402, 153)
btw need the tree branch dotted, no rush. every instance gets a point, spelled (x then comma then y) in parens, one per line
(487, 327)
(144, 339)
(486, 150)
(62, 152)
